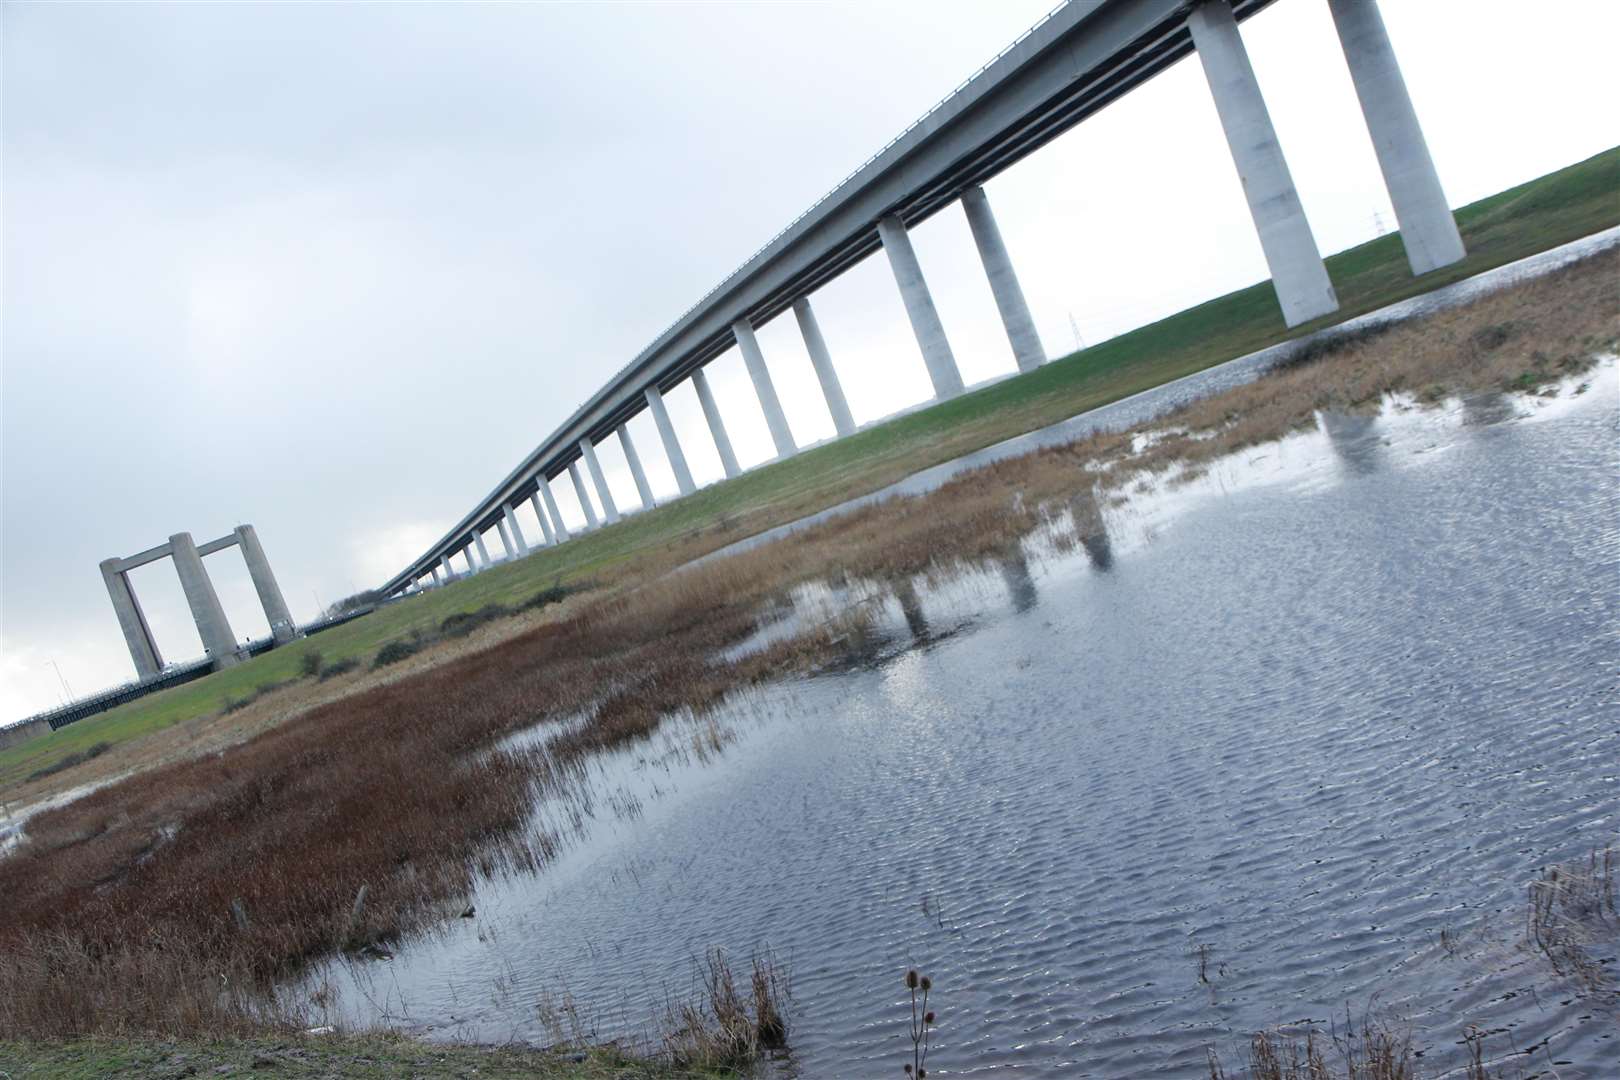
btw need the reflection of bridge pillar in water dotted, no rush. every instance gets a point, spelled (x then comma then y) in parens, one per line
(1491, 407)
(1014, 567)
(1099, 547)
(1353, 439)
(911, 608)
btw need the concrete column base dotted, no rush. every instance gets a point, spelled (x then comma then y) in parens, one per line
(717, 425)
(821, 360)
(775, 418)
(1028, 352)
(591, 521)
(1297, 271)
(587, 450)
(633, 459)
(1428, 227)
(563, 535)
(925, 323)
(212, 626)
(143, 650)
(672, 445)
(282, 627)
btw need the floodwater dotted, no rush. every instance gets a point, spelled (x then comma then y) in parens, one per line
(1323, 712)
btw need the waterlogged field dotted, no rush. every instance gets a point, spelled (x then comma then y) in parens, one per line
(1552, 210)
(1198, 717)
(1278, 744)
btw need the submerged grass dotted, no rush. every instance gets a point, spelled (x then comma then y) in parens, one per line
(1571, 915)
(173, 902)
(1543, 213)
(1381, 1048)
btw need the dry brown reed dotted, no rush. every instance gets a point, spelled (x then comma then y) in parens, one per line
(721, 1028)
(387, 780)
(1380, 1050)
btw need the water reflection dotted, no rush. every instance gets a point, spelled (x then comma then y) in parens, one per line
(1098, 547)
(1354, 439)
(1491, 407)
(911, 608)
(1014, 567)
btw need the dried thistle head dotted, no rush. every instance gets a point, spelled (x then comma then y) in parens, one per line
(911, 979)
(927, 984)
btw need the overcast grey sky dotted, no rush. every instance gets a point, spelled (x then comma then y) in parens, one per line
(333, 269)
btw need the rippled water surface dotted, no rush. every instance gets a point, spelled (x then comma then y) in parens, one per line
(1337, 696)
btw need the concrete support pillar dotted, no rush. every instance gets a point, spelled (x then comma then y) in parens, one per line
(908, 275)
(1428, 228)
(775, 418)
(672, 448)
(591, 521)
(143, 649)
(717, 426)
(439, 574)
(540, 515)
(506, 538)
(821, 360)
(282, 627)
(563, 535)
(1026, 343)
(472, 566)
(1297, 273)
(516, 530)
(611, 509)
(483, 552)
(206, 610)
(449, 574)
(643, 489)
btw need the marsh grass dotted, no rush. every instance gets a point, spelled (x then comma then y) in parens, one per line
(118, 909)
(1378, 1052)
(1570, 910)
(722, 1027)
(89, 753)
(261, 691)
(1380, 1048)
(338, 667)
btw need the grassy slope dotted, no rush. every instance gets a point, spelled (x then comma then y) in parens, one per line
(1533, 217)
(327, 1056)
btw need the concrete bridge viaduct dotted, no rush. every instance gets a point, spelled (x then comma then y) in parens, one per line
(1073, 63)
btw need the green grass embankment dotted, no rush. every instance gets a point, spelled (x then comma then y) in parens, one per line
(1542, 214)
